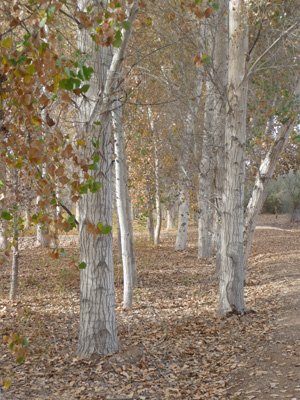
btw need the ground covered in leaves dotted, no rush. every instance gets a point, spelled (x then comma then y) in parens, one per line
(174, 344)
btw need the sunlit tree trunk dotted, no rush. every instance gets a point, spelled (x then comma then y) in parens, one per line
(131, 238)
(220, 62)
(171, 216)
(3, 223)
(157, 183)
(186, 140)
(97, 329)
(150, 214)
(231, 297)
(204, 194)
(15, 249)
(120, 166)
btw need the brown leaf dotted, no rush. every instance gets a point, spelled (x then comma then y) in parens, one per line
(208, 12)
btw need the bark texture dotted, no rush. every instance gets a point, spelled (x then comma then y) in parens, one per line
(97, 330)
(220, 63)
(188, 133)
(231, 273)
(121, 199)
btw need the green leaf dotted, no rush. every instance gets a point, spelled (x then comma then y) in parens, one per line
(95, 142)
(206, 59)
(85, 73)
(2, 183)
(67, 71)
(25, 342)
(85, 88)
(297, 139)
(71, 219)
(6, 215)
(82, 265)
(62, 252)
(97, 123)
(20, 360)
(117, 43)
(126, 25)
(104, 229)
(43, 22)
(95, 187)
(94, 167)
(50, 12)
(83, 189)
(118, 40)
(96, 158)
(35, 216)
(216, 6)
(69, 84)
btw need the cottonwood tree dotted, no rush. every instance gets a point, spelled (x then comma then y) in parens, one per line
(123, 206)
(231, 282)
(97, 331)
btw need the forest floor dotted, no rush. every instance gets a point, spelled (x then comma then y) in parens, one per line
(174, 344)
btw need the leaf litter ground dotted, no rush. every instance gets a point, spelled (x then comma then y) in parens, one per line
(174, 346)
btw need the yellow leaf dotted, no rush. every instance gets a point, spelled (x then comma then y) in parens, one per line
(80, 142)
(27, 78)
(17, 73)
(6, 43)
(30, 69)
(6, 384)
(4, 60)
(36, 120)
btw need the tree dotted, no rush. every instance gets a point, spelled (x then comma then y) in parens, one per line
(97, 331)
(129, 267)
(231, 297)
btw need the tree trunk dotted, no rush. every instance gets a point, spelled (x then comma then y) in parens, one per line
(183, 218)
(171, 216)
(15, 253)
(231, 273)
(150, 215)
(120, 166)
(131, 238)
(220, 61)
(3, 223)
(204, 194)
(188, 133)
(42, 232)
(97, 329)
(157, 185)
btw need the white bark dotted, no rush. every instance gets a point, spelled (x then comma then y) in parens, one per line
(131, 238)
(150, 214)
(204, 193)
(97, 330)
(157, 183)
(3, 223)
(231, 272)
(262, 183)
(188, 131)
(15, 253)
(120, 166)
(171, 216)
(42, 231)
(220, 63)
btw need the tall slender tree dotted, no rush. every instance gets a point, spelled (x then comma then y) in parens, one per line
(97, 331)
